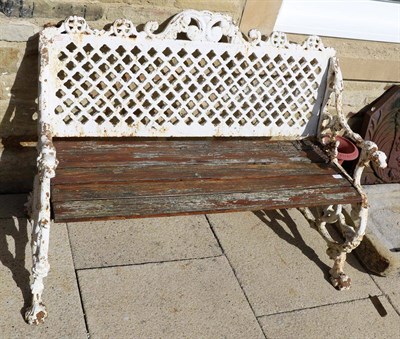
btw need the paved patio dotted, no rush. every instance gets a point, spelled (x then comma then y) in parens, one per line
(237, 275)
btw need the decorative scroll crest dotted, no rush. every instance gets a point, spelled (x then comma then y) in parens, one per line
(197, 26)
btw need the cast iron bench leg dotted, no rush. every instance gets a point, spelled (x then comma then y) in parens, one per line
(353, 235)
(47, 164)
(40, 245)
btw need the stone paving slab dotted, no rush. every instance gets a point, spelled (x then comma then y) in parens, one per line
(356, 319)
(385, 212)
(187, 299)
(61, 294)
(281, 262)
(380, 250)
(391, 287)
(133, 241)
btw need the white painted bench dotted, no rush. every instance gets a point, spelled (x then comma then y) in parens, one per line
(196, 118)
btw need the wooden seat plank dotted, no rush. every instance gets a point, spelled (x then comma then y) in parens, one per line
(79, 210)
(122, 190)
(139, 172)
(155, 152)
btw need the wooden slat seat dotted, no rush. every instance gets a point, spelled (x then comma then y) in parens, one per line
(150, 177)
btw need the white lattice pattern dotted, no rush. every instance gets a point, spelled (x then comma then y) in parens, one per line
(113, 84)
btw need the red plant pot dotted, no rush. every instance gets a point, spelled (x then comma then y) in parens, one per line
(347, 150)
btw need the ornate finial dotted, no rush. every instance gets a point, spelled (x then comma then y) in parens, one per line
(150, 27)
(279, 40)
(254, 36)
(313, 42)
(76, 24)
(124, 27)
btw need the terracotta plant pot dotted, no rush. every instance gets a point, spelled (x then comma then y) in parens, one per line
(347, 151)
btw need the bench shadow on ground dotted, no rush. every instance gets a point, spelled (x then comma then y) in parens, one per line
(13, 253)
(18, 125)
(17, 169)
(272, 219)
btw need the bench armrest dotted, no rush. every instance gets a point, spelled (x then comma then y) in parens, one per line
(338, 124)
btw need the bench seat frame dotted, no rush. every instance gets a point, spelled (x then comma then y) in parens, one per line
(202, 29)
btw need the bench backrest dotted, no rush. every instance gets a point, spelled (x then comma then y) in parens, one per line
(199, 76)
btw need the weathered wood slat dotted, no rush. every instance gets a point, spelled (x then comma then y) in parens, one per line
(121, 158)
(140, 172)
(210, 203)
(156, 148)
(169, 152)
(72, 144)
(122, 161)
(123, 190)
(149, 148)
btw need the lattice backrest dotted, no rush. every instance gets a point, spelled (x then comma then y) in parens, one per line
(198, 77)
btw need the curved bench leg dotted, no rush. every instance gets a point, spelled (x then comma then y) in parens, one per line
(338, 278)
(337, 251)
(46, 163)
(36, 313)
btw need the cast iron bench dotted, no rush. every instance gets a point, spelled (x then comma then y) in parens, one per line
(196, 118)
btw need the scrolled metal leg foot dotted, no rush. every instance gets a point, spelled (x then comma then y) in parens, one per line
(336, 251)
(338, 278)
(40, 246)
(37, 312)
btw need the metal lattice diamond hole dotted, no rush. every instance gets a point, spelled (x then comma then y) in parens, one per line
(99, 120)
(114, 121)
(67, 120)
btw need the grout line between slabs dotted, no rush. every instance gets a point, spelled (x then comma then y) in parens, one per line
(383, 293)
(77, 282)
(148, 263)
(391, 303)
(235, 274)
(318, 306)
(214, 234)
